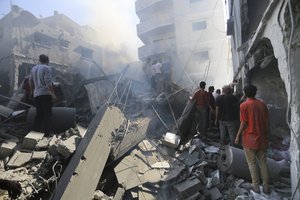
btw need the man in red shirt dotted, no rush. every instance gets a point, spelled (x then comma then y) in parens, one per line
(202, 104)
(255, 128)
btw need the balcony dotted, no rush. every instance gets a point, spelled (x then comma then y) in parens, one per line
(159, 24)
(143, 7)
(159, 47)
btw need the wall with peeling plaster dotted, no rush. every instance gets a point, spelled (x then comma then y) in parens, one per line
(277, 28)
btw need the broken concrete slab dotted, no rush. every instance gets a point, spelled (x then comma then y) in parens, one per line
(67, 147)
(174, 173)
(5, 111)
(7, 148)
(146, 193)
(31, 139)
(39, 155)
(127, 173)
(188, 187)
(19, 159)
(161, 165)
(214, 193)
(43, 143)
(87, 163)
(153, 176)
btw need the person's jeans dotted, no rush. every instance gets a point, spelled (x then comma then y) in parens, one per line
(230, 127)
(202, 120)
(260, 155)
(43, 105)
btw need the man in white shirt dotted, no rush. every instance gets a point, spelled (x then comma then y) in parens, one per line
(41, 87)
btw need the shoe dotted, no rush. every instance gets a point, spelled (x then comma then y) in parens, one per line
(255, 189)
(266, 189)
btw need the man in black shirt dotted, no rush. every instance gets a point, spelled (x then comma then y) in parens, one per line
(227, 112)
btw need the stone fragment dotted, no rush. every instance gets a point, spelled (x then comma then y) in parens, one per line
(153, 176)
(161, 165)
(67, 147)
(19, 159)
(39, 155)
(214, 193)
(43, 143)
(127, 173)
(188, 188)
(171, 140)
(174, 173)
(31, 139)
(7, 148)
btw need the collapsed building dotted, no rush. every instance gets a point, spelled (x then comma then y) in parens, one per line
(265, 49)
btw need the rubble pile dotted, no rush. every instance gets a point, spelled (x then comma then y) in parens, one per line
(144, 159)
(38, 161)
(155, 169)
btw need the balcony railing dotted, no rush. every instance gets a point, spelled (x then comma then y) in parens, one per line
(142, 4)
(161, 22)
(163, 46)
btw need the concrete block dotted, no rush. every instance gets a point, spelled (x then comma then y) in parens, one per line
(171, 140)
(31, 139)
(19, 159)
(39, 155)
(67, 147)
(127, 173)
(214, 193)
(7, 148)
(161, 165)
(43, 143)
(194, 197)
(53, 144)
(174, 173)
(188, 188)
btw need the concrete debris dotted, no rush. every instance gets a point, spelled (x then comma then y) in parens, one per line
(19, 159)
(153, 176)
(213, 193)
(212, 149)
(66, 148)
(31, 140)
(7, 148)
(160, 165)
(127, 173)
(146, 164)
(172, 140)
(146, 193)
(188, 188)
(39, 155)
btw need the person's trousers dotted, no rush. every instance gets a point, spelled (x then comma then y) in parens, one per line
(230, 127)
(260, 155)
(202, 120)
(43, 105)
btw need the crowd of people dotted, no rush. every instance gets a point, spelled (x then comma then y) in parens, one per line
(240, 121)
(159, 74)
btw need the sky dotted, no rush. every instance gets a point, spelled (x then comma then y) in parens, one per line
(114, 19)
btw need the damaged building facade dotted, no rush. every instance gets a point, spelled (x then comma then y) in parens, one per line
(192, 33)
(23, 37)
(266, 53)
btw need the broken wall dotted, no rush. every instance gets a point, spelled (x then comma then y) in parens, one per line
(277, 25)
